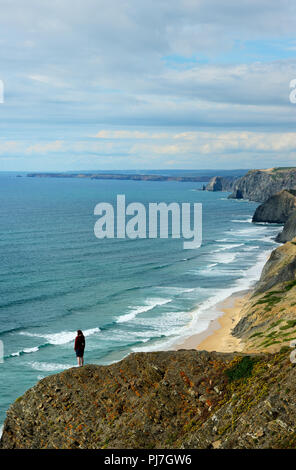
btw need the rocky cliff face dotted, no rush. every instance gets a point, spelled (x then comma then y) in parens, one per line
(180, 399)
(269, 317)
(277, 209)
(289, 230)
(219, 183)
(259, 185)
(280, 268)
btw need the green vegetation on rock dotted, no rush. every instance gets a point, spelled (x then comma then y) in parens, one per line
(241, 370)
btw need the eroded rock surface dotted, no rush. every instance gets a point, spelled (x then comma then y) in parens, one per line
(277, 209)
(259, 185)
(172, 399)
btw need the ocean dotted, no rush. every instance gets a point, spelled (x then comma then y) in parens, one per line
(125, 295)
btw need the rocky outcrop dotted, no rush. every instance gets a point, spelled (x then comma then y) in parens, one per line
(173, 399)
(277, 209)
(289, 230)
(220, 183)
(259, 185)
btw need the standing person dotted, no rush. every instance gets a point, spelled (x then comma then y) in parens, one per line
(79, 347)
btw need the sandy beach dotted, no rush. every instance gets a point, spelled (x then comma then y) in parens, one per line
(218, 336)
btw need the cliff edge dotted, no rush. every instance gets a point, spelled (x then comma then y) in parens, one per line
(173, 399)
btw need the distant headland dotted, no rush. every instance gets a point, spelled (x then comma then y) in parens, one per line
(121, 176)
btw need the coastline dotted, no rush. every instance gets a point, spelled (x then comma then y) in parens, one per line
(218, 337)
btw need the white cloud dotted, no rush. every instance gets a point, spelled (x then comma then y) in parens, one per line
(7, 147)
(123, 134)
(41, 148)
(180, 79)
(201, 142)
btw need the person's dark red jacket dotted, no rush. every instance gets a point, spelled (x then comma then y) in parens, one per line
(79, 343)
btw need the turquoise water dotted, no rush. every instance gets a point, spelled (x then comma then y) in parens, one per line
(126, 295)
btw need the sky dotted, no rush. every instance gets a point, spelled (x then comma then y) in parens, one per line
(131, 84)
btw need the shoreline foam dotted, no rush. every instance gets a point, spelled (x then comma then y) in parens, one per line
(218, 337)
(225, 310)
(207, 317)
